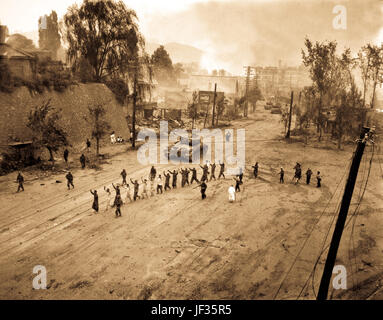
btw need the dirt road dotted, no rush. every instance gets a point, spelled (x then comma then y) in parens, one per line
(176, 246)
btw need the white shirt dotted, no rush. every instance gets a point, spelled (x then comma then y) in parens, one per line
(231, 193)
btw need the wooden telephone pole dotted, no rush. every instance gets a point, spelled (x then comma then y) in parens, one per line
(245, 107)
(134, 110)
(331, 256)
(291, 110)
(215, 95)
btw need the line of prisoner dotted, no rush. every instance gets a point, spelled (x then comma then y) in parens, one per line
(185, 180)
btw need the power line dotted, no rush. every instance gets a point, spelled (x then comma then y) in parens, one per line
(306, 240)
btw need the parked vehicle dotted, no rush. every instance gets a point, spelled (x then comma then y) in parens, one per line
(268, 105)
(180, 148)
(276, 109)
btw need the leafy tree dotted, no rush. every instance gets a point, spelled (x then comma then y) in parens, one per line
(105, 33)
(100, 127)
(376, 54)
(285, 117)
(162, 65)
(254, 95)
(44, 122)
(320, 59)
(192, 108)
(178, 70)
(221, 104)
(49, 36)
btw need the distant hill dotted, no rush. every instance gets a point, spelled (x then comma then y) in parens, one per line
(178, 52)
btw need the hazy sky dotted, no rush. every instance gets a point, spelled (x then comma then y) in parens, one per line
(231, 33)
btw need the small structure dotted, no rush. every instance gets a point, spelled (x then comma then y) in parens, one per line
(20, 63)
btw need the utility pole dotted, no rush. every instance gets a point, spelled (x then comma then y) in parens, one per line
(134, 110)
(215, 94)
(291, 109)
(334, 245)
(247, 90)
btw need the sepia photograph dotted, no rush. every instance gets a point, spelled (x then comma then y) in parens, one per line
(191, 150)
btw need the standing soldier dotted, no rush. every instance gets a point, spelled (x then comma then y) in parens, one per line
(20, 180)
(109, 198)
(123, 175)
(237, 183)
(194, 175)
(88, 145)
(255, 170)
(69, 178)
(222, 169)
(95, 200)
(298, 172)
(281, 176)
(153, 173)
(203, 189)
(174, 179)
(82, 160)
(212, 171)
(308, 175)
(319, 179)
(66, 154)
(159, 184)
(144, 188)
(135, 190)
(167, 180)
(240, 176)
(118, 204)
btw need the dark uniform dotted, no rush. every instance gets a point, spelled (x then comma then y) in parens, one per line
(187, 175)
(174, 179)
(203, 189)
(20, 180)
(118, 193)
(95, 200)
(222, 169)
(298, 172)
(82, 160)
(308, 175)
(183, 177)
(153, 173)
(205, 169)
(319, 179)
(135, 190)
(118, 204)
(212, 171)
(237, 184)
(123, 175)
(194, 175)
(66, 154)
(167, 180)
(281, 176)
(255, 169)
(69, 178)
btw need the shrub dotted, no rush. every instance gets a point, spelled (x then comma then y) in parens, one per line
(119, 88)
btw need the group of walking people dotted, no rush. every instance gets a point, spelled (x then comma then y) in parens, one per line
(298, 175)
